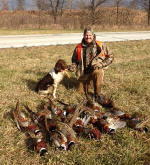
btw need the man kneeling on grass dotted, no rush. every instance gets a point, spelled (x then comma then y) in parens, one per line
(89, 60)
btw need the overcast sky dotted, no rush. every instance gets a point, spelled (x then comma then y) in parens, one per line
(12, 4)
(30, 5)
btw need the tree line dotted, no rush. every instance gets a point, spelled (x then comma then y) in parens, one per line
(91, 9)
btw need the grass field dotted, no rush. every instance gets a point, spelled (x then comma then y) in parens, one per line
(24, 31)
(34, 31)
(127, 80)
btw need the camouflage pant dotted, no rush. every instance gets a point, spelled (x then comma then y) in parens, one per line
(96, 78)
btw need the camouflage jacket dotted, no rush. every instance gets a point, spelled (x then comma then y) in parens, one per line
(92, 57)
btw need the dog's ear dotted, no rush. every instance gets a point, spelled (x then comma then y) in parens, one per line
(57, 67)
(60, 65)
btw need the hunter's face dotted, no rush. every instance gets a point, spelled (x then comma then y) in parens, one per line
(88, 37)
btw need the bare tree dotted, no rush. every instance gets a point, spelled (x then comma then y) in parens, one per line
(42, 4)
(20, 4)
(143, 4)
(56, 6)
(93, 5)
(117, 10)
(133, 4)
(61, 7)
(4, 4)
(149, 13)
(69, 4)
(146, 4)
(83, 4)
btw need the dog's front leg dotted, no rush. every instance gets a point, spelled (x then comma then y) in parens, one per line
(54, 90)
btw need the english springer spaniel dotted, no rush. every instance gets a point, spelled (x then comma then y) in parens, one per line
(52, 79)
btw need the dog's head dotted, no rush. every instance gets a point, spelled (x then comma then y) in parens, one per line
(60, 66)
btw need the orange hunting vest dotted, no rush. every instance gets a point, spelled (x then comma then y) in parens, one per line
(79, 48)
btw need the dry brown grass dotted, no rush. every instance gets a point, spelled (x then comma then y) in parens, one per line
(127, 81)
(105, 20)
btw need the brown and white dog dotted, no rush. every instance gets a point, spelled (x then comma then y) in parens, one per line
(52, 79)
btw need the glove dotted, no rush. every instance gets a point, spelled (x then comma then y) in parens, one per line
(108, 60)
(97, 67)
(72, 67)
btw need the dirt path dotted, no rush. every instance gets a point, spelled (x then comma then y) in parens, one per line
(71, 38)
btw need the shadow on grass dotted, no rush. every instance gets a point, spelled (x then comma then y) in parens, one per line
(70, 83)
(30, 142)
(39, 73)
(31, 84)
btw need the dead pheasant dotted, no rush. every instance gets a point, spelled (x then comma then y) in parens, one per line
(94, 134)
(92, 106)
(41, 118)
(59, 140)
(78, 126)
(91, 114)
(51, 125)
(64, 136)
(40, 146)
(45, 112)
(83, 116)
(115, 123)
(109, 124)
(137, 124)
(102, 125)
(56, 110)
(104, 101)
(68, 108)
(22, 122)
(69, 133)
(117, 112)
